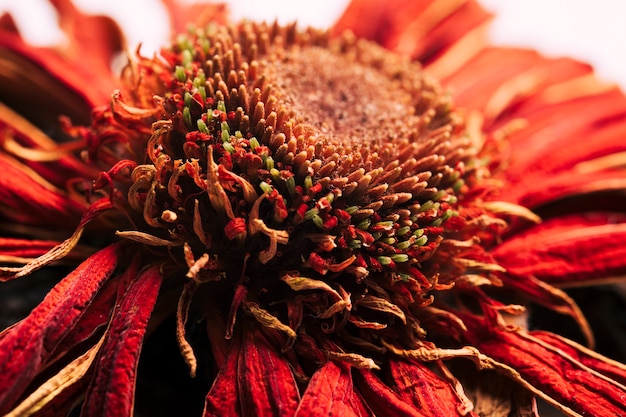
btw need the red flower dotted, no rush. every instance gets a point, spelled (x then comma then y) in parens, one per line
(319, 226)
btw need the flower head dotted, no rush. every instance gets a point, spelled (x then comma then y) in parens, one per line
(326, 228)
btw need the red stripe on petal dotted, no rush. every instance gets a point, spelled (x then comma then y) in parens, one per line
(112, 388)
(266, 384)
(330, 393)
(25, 347)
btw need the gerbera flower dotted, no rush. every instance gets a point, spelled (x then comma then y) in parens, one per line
(318, 224)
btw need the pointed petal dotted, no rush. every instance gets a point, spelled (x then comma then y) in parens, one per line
(329, 393)
(112, 388)
(381, 399)
(26, 347)
(576, 387)
(418, 385)
(265, 382)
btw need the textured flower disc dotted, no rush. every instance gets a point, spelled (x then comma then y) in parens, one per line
(310, 180)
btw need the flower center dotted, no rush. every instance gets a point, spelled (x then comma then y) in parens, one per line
(313, 180)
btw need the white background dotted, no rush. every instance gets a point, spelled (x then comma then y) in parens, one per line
(591, 30)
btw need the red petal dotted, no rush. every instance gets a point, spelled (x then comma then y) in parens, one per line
(222, 399)
(265, 382)
(418, 385)
(23, 250)
(579, 250)
(95, 40)
(59, 85)
(554, 373)
(420, 29)
(331, 393)
(612, 369)
(28, 199)
(381, 399)
(112, 388)
(26, 347)
(39, 152)
(183, 13)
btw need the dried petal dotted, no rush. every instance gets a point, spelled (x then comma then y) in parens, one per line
(555, 373)
(25, 347)
(63, 380)
(418, 385)
(569, 251)
(381, 399)
(265, 382)
(112, 388)
(223, 398)
(330, 393)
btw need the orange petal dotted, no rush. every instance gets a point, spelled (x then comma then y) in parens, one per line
(184, 13)
(422, 30)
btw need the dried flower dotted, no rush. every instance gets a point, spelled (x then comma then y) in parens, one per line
(319, 225)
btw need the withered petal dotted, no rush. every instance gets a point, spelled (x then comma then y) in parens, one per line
(612, 369)
(418, 385)
(112, 387)
(26, 347)
(381, 399)
(569, 251)
(223, 398)
(329, 393)
(265, 382)
(578, 389)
